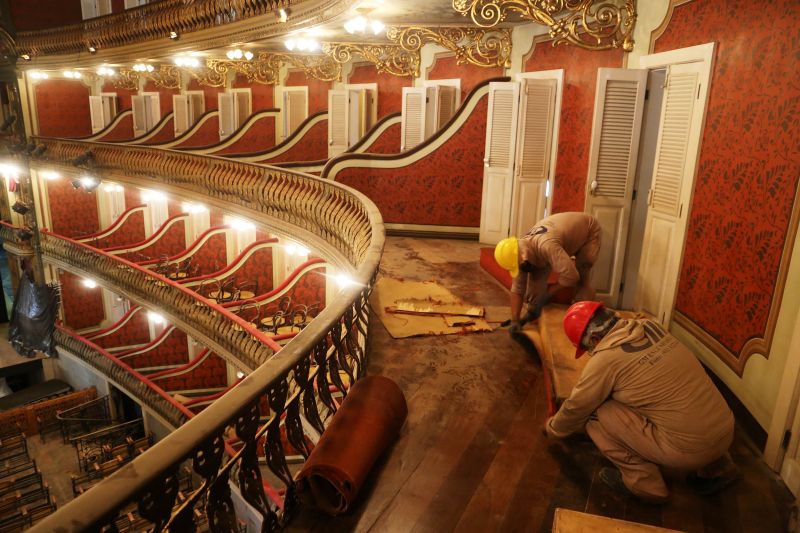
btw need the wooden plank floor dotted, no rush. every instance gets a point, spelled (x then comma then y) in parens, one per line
(472, 457)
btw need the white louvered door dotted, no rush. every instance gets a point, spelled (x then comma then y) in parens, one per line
(96, 113)
(498, 161)
(337, 121)
(412, 127)
(619, 105)
(140, 110)
(534, 152)
(668, 199)
(445, 104)
(295, 108)
(180, 113)
(227, 117)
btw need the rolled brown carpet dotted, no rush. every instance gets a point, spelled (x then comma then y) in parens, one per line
(367, 422)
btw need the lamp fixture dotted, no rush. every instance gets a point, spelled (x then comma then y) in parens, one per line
(239, 54)
(143, 67)
(89, 283)
(37, 75)
(92, 50)
(187, 61)
(72, 74)
(26, 57)
(364, 24)
(194, 208)
(113, 187)
(302, 44)
(174, 35)
(282, 14)
(50, 175)
(241, 225)
(105, 71)
(155, 318)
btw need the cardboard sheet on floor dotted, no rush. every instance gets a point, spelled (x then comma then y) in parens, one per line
(389, 291)
(556, 352)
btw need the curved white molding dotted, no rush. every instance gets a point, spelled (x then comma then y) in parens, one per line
(284, 146)
(108, 129)
(193, 248)
(185, 136)
(287, 285)
(236, 266)
(113, 227)
(153, 238)
(116, 327)
(148, 347)
(237, 135)
(155, 131)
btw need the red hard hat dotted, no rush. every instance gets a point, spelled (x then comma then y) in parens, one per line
(575, 321)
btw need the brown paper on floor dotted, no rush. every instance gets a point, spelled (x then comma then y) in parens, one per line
(399, 325)
(556, 350)
(429, 306)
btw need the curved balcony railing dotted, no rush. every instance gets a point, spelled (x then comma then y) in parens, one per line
(294, 384)
(133, 382)
(148, 22)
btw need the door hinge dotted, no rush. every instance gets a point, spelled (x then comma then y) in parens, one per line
(680, 211)
(621, 287)
(647, 94)
(633, 198)
(787, 438)
(699, 85)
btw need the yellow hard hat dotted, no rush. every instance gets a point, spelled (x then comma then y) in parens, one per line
(506, 255)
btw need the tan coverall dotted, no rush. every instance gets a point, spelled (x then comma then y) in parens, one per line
(549, 245)
(653, 404)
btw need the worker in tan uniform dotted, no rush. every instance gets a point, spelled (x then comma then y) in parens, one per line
(549, 246)
(645, 401)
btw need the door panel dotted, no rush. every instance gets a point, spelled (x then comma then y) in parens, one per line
(180, 111)
(498, 180)
(619, 105)
(337, 122)
(96, 113)
(413, 125)
(659, 235)
(226, 115)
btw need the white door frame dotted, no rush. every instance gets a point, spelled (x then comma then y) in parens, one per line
(701, 53)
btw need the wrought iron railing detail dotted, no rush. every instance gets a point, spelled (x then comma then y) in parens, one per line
(300, 386)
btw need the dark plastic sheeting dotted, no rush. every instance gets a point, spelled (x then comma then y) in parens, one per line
(33, 318)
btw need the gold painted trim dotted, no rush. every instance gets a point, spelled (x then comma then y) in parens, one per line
(756, 345)
(662, 28)
(474, 46)
(165, 77)
(590, 24)
(389, 58)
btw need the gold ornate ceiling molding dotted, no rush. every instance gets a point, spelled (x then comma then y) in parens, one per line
(320, 67)
(388, 58)
(590, 24)
(165, 77)
(476, 46)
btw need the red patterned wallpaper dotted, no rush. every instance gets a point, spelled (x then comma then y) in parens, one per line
(83, 307)
(390, 88)
(174, 207)
(216, 217)
(262, 94)
(210, 93)
(577, 107)
(134, 331)
(123, 131)
(209, 373)
(317, 90)
(45, 14)
(65, 200)
(172, 242)
(62, 107)
(174, 350)
(207, 134)
(258, 268)
(133, 197)
(259, 136)
(164, 98)
(443, 188)
(123, 95)
(167, 133)
(445, 68)
(129, 232)
(313, 146)
(749, 163)
(387, 143)
(211, 255)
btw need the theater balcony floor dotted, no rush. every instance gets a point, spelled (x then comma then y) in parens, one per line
(472, 456)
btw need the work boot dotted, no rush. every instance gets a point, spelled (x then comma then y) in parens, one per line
(613, 480)
(706, 486)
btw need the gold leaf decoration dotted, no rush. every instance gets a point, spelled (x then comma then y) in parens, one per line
(320, 67)
(590, 24)
(388, 58)
(476, 46)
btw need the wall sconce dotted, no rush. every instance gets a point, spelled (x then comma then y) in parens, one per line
(25, 57)
(36, 75)
(92, 49)
(142, 67)
(174, 35)
(89, 283)
(282, 14)
(105, 71)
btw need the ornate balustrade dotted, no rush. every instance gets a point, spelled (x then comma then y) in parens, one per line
(294, 384)
(125, 377)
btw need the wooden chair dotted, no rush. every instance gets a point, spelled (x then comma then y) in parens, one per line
(246, 290)
(224, 292)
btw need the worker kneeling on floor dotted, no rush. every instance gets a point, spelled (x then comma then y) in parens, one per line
(645, 401)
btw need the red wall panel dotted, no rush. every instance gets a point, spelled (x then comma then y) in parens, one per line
(259, 136)
(749, 163)
(65, 201)
(445, 68)
(317, 90)
(577, 107)
(262, 94)
(123, 131)
(62, 107)
(123, 95)
(131, 231)
(209, 92)
(390, 88)
(165, 96)
(387, 143)
(443, 188)
(207, 134)
(45, 14)
(83, 307)
(166, 134)
(211, 255)
(172, 242)
(174, 350)
(210, 373)
(312, 147)
(134, 331)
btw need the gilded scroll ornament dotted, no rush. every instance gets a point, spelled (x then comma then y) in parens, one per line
(389, 58)
(166, 77)
(214, 74)
(590, 24)
(126, 79)
(320, 67)
(476, 46)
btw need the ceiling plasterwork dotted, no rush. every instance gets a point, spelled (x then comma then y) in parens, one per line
(476, 46)
(590, 24)
(388, 58)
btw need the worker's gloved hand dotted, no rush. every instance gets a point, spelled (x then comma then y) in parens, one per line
(515, 329)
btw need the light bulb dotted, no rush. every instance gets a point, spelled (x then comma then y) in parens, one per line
(248, 55)
(291, 44)
(89, 283)
(377, 26)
